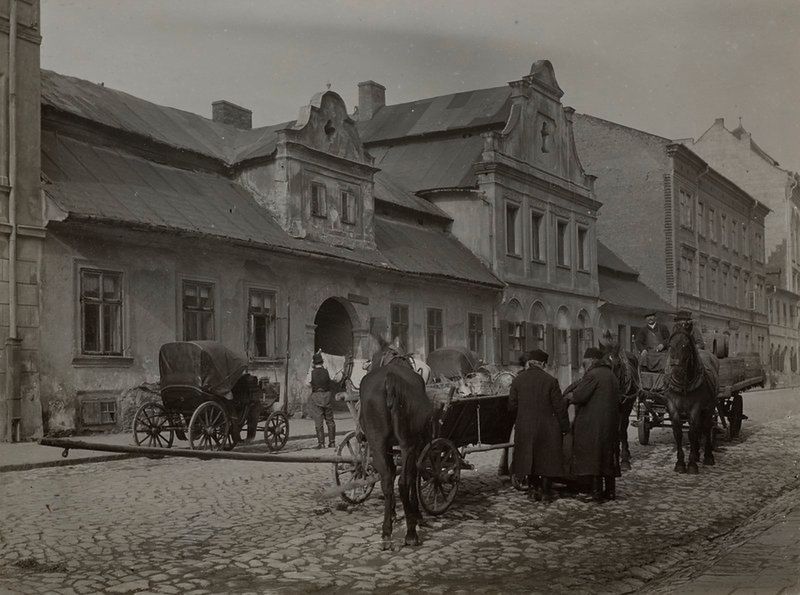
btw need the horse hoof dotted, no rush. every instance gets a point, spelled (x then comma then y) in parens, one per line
(709, 461)
(386, 545)
(692, 469)
(412, 540)
(625, 465)
(680, 467)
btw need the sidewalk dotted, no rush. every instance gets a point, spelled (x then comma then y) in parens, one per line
(30, 455)
(768, 562)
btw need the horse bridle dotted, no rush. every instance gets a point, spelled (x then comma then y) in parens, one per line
(681, 383)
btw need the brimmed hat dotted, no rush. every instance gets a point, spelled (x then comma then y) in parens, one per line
(592, 353)
(537, 355)
(683, 316)
(317, 358)
(651, 314)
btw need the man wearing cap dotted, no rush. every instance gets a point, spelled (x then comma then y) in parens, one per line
(541, 422)
(651, 343)
(320, 404)
(595, 431)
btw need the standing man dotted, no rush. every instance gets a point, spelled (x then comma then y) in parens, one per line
(595, 431)
(320, 404)
(541, 423)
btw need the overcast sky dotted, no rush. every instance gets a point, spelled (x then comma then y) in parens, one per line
(665, 66)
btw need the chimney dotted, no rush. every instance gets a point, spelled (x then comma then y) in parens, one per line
(231, 114)
(719, 122)
(371, 98)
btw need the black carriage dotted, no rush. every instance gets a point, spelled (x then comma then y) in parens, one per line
(736, 375)
(471, 404)
(209, 399)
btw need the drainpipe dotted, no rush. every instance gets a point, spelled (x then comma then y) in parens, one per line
(12, 344)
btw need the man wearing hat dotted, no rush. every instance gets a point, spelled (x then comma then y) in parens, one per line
(595, 431)
(651, 343)
(684, 318)
(541, 422)
(320, 404)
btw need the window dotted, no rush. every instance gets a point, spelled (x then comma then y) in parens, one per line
(261, 323)
(512, 229)
(348, 207)
(735, 285)
(400, 324)
(725, 297)
(435, 329)
(723, 231)
(735, 236)
(759, 247)
(712, 225)
(712, 284)
(475, 332)
(583, 254)
(703, 281)
(318, 200)
(686, 209)
(562, 237)
(686, 276)
(516, 338)
(101, 312)
(198, 311)
(537, 239)
(701, 218)
(745, 242)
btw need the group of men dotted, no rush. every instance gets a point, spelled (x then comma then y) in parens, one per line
(543, 447)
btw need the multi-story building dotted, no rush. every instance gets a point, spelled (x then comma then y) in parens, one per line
(502, 163)
(736, 155)
(695, 237)
(21, 225)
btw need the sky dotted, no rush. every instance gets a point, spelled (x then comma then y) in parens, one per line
(669, 67)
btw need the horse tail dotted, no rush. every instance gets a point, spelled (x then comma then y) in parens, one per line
(411, 415)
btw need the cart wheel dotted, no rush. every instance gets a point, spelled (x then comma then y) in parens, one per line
(735, 416)
(521, 482)
(644, 431)
(438, 475)
(152, 427)
(276, 430)
(357, 475)
(209, 427)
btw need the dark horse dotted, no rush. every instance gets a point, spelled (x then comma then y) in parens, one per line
(624, 365)
(395, 410)
(691, 392)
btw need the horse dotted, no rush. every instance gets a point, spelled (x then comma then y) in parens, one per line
(624, 365)
(396, 410)
(691, 392)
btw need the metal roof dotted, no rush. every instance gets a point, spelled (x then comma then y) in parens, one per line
(468, 109)
(105, 184)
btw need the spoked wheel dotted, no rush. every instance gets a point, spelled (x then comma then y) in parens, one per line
(276, 430)
(521, 482)
(356, 476)
(209, 427)
(152, 426)
(735, 416)
(438, 476)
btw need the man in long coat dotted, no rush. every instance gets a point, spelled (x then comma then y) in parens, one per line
(595, 431)
(541, 422)
(650, 341)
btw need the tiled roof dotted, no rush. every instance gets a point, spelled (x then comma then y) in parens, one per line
(88, 182)
(609, 260)
(628, 293)
(389, 190)
(468, 109)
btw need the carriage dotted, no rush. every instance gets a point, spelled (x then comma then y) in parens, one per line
(736, 375)
(471, 415)
(209, 399)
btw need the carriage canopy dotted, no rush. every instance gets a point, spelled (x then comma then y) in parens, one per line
(205, 365)
(452, 362)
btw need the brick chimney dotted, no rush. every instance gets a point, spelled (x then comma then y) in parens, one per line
(371, 98)
(231, 114)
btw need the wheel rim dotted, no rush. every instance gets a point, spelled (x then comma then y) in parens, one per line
(276, 431)
(438, 476)
(359, 471)
(152, 427)
(208, 428)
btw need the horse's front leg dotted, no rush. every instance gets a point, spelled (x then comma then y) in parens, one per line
(677, 434)
(408, 493)
(696, 427)
(708, 456)
(625, 456)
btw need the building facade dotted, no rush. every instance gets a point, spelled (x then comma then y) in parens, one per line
(21, 225)
(695, 237)
(736, 155)
(502, 163)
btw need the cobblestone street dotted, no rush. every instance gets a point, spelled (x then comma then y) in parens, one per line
(180, 526)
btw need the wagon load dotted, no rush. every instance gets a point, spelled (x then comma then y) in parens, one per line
(457, 372)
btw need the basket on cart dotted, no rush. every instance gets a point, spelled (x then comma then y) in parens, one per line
(209, 399)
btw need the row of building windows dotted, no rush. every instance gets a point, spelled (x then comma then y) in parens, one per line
(346, 204)
(538, 239)
(782, 313)
(731, 234)
(724, 287)
(565, 349)
(434, 329)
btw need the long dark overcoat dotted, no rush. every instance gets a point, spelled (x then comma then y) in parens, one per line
(595, 431)
(541, 415)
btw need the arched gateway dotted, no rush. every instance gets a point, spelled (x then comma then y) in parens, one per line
(334, 327)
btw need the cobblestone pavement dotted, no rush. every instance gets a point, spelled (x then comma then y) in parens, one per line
(178, 526)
